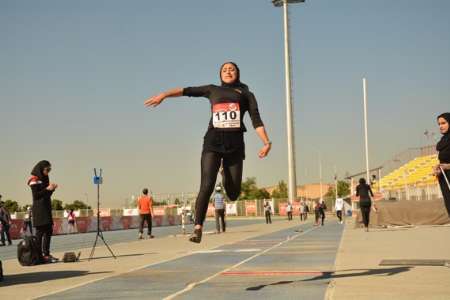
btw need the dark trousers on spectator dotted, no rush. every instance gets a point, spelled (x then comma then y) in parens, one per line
(365, 213)
(339, 215)
(289, 215)
(44, 236)
(220, 219)
(148, 218)
(303, 216)
(26, 225)
(445, 189)
(268, 217)
(5, 232)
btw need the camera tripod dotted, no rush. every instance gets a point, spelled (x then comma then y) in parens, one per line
(97, 181)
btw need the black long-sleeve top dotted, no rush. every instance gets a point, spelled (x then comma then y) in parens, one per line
(42, 204)
(364, 192)
(5, 216)
(226, 129)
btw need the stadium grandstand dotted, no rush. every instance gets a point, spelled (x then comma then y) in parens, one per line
(408, 192)
(409, 175)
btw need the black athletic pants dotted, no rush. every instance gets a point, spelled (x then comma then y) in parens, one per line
(44, 236)
(339, 215)
(220, 219)
(289, 215)
(5, 232)
(365, 213)
(26, 225)
(317, 215)
(148, 218)
(268, 217)
(445, 190)
(232, 178)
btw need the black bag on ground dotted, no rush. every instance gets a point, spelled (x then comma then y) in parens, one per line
(28, 252)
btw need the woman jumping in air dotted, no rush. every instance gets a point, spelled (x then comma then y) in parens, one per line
(224, 140)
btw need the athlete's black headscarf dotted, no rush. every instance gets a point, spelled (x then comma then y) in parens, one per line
(237, 83)
(38, 171)
(443, 146)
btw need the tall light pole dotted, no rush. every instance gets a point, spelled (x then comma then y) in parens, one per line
(335, 186)
(365, 130)
(335, 181)
(292, 182)
(320, 175)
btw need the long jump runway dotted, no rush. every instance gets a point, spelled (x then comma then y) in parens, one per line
(289, 264)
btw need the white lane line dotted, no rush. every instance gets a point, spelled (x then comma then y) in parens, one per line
(193, 284)
(329, 292)
(246, 250)
(208, 251)
(226, 250)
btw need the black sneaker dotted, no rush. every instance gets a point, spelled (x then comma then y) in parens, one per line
(196, 236)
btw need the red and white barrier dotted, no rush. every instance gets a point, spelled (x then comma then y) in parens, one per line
(282, 208)
(89, 224)
(250, 208)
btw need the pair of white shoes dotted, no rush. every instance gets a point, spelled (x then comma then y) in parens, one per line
(141, 237)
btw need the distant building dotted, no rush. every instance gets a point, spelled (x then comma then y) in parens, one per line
(307, 191)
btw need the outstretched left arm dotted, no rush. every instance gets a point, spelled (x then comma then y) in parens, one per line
(258, 125)
(261, 131)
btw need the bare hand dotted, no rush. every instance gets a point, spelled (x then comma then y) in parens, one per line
(375, 209)
(445, 166)
(436, 170)
(154, 101)
(264, 150)
(52, 186)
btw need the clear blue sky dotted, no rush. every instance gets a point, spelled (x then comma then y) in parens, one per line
(74, 76)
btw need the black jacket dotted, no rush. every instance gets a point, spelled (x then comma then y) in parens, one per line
(5, 216)
(42, 204)
(364, 191)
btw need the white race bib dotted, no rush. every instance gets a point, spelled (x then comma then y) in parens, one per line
(226, 115)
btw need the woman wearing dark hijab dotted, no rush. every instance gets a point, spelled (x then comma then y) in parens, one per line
(364, 191)
(42, 190)
(443, 147)
(224, 140)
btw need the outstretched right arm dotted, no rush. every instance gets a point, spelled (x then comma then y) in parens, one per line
(197, 91)
(157, 99)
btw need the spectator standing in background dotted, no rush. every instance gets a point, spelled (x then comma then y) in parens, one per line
(145, 206)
